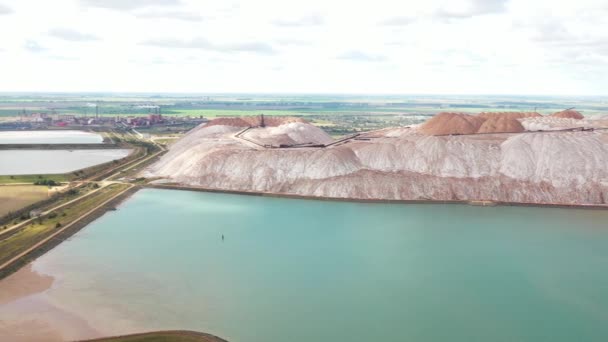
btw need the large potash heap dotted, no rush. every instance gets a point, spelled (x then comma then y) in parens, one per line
(447, 158)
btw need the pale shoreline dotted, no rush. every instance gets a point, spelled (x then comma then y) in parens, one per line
(29, 316)
(23, 283)
(474, 202)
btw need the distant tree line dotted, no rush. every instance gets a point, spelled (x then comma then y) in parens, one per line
(48, 182)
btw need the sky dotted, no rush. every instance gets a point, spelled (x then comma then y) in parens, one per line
(523, 47)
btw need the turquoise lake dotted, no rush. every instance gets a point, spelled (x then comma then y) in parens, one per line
(302, 271)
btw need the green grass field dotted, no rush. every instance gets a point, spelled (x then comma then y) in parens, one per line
(217, 105)
(7, 179)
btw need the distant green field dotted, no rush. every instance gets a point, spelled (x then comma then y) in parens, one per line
(218, 105)
(231, 112)
(212, 113)
(7, 179)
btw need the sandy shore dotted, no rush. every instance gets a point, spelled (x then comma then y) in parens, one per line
(23, 283)
(26, 311)
(26, 315)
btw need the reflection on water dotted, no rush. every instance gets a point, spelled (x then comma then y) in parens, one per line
(49, 137)
(26, 162)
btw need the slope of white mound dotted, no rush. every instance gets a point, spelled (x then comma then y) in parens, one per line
(561, 159)
(290, 134)
(400, 163)
(443, 156)
(549, 123)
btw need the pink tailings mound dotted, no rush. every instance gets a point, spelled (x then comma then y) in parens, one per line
(501, 124)
(568, 114)
(452, 123)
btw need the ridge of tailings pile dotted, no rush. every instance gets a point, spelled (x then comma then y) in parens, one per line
(568, 114)
(400, 163)
(253, 121)
(452, 123)
(514, 115)
(555, 123)
(290, 133)
(460, 123)
(501, 124)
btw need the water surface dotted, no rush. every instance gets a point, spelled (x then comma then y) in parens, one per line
(26, 162)
(302, 271)
(49, 137)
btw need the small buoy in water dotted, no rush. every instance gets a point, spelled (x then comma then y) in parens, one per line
(222, 237)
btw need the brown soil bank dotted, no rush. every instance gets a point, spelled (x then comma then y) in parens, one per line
(459, 123)
(568, 114)
(162, 336)
(452, 123)
(23, 283)
(501, 124)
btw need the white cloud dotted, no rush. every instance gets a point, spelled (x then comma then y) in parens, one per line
(385, 46)
(128, 4)
(309, 20)
(202, 43)
(293, 42)
(72, 35)
(5, 10)
(398, 21)
(361, 56)
(34, 46)
(175, 15)
(459, 10)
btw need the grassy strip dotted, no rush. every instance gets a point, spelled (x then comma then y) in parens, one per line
(144, 152)
(163, 336)
(66, 177)
(55, 200)
(65, 234)
(45, 226)
(133, 171)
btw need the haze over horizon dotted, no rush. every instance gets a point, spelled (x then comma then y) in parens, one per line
(380, 47)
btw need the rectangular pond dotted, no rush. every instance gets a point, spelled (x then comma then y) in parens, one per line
(27, 162)
(50, 137)
(256, 269)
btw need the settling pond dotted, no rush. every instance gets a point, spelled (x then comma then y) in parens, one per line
(302, 271)
(49, 137)
(29, 162)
